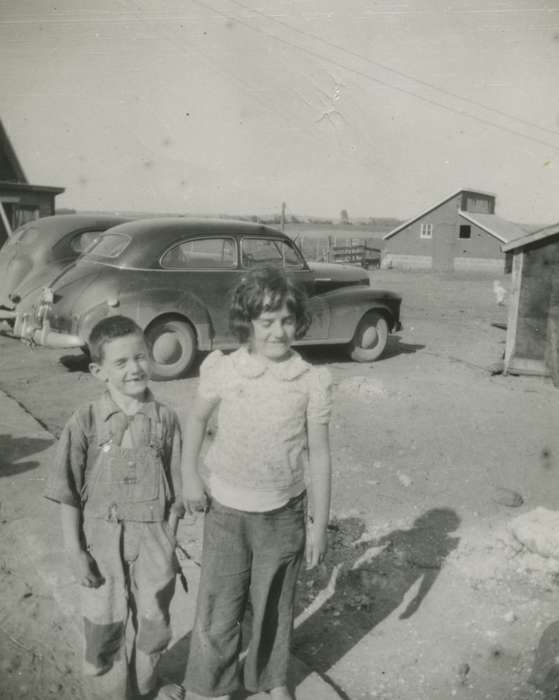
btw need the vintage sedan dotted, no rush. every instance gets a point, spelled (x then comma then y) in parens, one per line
(174, 277)
(37, 251)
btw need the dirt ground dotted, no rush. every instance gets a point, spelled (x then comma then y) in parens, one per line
(425, 594)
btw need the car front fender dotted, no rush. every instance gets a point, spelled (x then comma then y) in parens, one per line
(348, 305)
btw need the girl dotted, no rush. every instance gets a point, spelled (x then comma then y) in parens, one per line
(273, 408)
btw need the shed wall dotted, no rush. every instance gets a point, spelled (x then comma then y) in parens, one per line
(541, 263)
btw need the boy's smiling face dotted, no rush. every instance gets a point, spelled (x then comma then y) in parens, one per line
(125, 366)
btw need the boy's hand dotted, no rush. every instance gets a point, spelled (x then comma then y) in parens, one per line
(86, 570)
(317, 544)
(195, 496)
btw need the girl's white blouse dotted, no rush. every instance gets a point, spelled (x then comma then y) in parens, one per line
(257, 459)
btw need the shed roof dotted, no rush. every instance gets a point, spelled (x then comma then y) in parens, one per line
(433, 207)
(529, 238)
(494, 225)
(11, 166)
(9, 186)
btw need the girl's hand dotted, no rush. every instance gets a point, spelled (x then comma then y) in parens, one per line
(195, 496)
(317, 544)
(86, 570)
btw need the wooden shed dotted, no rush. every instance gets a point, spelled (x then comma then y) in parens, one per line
(20, 201)
(532, 345)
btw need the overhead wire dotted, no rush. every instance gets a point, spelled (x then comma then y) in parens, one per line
(338, 64)
(389, 69)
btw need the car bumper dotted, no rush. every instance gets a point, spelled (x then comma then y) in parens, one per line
(41, 333)
(7, 314)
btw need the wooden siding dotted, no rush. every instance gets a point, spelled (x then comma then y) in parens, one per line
(480, 244)
(540, 264)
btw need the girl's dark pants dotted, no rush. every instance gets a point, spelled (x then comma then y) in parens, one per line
(246, 556)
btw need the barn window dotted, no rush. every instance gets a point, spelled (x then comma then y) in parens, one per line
(426, 231)
(465, 231)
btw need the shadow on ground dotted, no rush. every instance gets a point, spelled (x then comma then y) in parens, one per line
(545, 673)
(12, 450)
(362, 583)
(76, 363)
(316, 354)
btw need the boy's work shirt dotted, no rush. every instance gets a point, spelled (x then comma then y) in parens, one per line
(101, 429)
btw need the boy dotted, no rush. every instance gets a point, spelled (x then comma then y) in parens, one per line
(117, 480)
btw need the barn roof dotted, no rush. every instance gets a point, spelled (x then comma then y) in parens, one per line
(501, 229)
(539, 235)
(432, 208)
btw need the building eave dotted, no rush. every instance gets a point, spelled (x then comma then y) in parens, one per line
(534, 237)
(27, 187)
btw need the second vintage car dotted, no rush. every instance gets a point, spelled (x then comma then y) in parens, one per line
(37, 251)
(174, 277)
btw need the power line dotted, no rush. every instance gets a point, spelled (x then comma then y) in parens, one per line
(419, 81)
(410, 93)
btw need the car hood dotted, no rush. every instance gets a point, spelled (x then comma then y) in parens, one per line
(341, 274)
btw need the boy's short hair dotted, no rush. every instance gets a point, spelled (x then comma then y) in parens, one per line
(270, 283)
(109, 329)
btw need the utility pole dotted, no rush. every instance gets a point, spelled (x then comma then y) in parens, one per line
(283, 206)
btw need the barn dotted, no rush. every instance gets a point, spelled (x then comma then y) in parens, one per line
(20, 201)
(460, 233)
(532, 344)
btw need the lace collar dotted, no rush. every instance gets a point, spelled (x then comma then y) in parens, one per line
(252, 366)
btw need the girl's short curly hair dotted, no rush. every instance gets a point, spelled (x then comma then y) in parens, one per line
(266, 288)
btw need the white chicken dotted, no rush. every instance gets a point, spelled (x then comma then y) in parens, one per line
(500, 293)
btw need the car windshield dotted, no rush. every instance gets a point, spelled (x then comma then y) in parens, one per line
(110, 245)
(258, 251)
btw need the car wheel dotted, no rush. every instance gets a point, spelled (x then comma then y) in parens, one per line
(370, 338)
(173, 348)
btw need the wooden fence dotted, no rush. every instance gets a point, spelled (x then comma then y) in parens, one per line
(351, 251)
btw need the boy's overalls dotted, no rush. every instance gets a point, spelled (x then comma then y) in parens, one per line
(124, 510)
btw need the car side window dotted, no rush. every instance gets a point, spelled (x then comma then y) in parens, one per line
(84, 240)
(269, 251)
(201, 253)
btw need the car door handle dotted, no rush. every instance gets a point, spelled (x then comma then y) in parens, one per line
(322, 279)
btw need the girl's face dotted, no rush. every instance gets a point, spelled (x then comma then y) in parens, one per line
(272, 334)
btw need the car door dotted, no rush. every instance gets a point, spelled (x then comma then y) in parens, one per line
(267, 250)
(206, 267)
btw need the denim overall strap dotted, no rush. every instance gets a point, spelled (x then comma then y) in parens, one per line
(127, 483)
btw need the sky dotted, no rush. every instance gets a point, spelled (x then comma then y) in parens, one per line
(379, 107)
